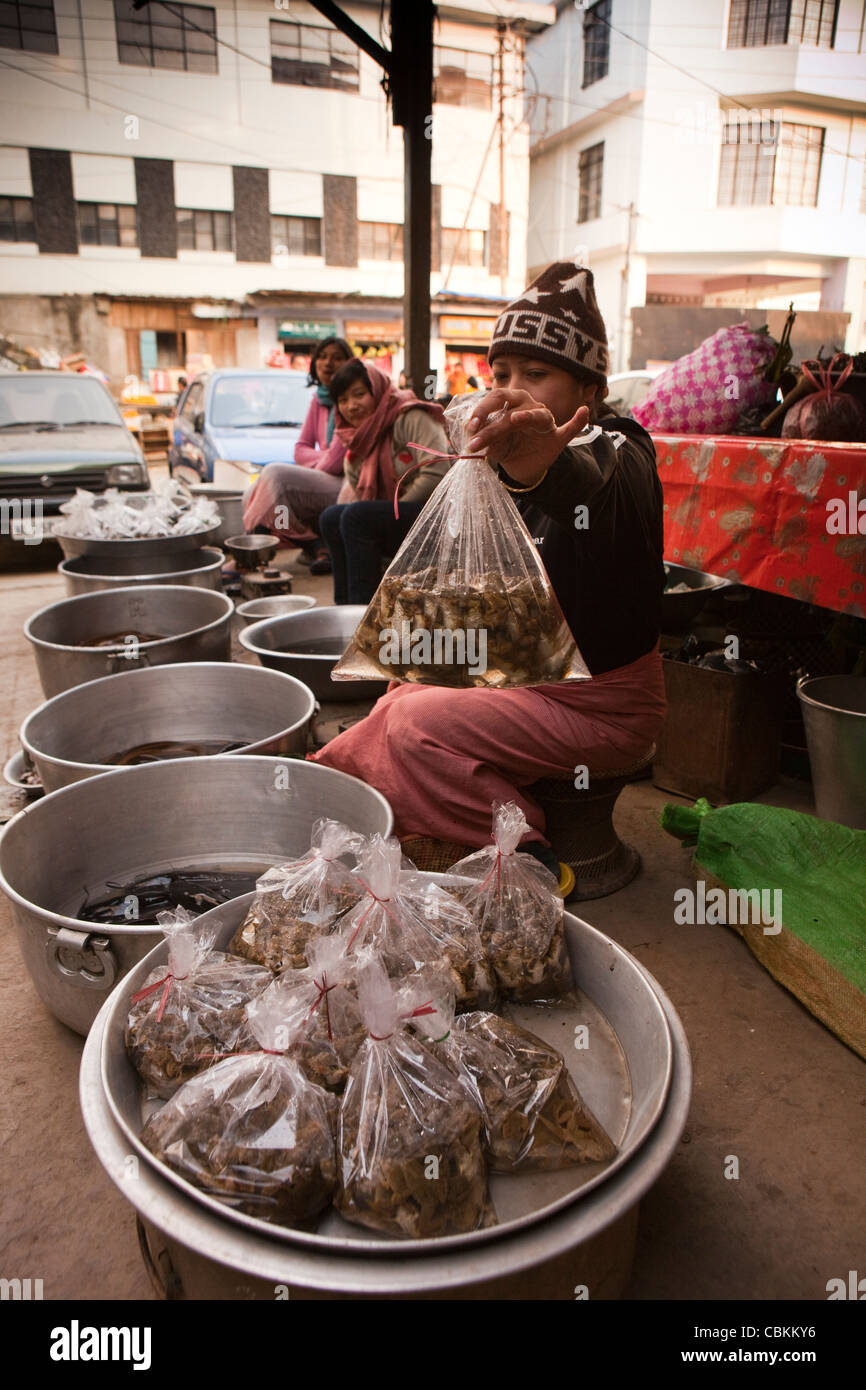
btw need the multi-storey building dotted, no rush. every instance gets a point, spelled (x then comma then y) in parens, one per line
(710, 155)
(194, 182)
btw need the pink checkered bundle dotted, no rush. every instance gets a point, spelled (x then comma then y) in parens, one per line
(707, 391)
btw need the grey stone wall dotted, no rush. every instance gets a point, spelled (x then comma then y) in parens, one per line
(252, 214)
(157, 222)
(340, 222)
(54, 211)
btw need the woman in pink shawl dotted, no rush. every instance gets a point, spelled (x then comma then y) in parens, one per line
(288, 498)
(377, 422)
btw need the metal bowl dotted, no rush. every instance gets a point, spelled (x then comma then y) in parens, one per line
(137, 549)
(278, 606)
(231, 507)
(193, 1252)
(72, 736)
(86, 574)
(277, 643)
(678, 610)
(228, 813)
(194, 625)
(13, 772)
(249, 552)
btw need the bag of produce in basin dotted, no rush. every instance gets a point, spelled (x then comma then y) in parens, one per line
(299, 900)
(515, 901)
(534, 1118)
(321, 1012)
(466, 601)
(706, 391)
(410, 923)
(253, 1130)
(191, 1009)
(409, 1140)
(828, 413)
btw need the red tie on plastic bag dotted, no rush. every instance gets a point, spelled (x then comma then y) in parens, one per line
(324, 990)
(167, 981)
(437, 453)
(825, 386)
(413, 1013)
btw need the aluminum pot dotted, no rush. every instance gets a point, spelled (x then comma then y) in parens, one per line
(194, 625)
(89, 573)
(225, 813)
(230, 502)
(834, 715)
(73, 736)
(279, 643)
(276, 606)
(586, 1247)
(678, 610)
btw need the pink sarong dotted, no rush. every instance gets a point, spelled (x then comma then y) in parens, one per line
(442, 757)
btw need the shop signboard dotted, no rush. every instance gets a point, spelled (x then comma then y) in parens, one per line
(304, 330)
(457, 328)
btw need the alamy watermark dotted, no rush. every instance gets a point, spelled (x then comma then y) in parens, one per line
(846, 516)
(22, 519)
(699, 906)
(438, 646)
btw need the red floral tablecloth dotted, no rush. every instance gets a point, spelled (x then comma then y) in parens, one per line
(777, 514)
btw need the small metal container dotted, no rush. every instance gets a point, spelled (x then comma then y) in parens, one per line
(195, 625)
(255, 610)
(329, 628)
(231, 507)
(834, 715)
(678, 610)
(227, 813)
(88, 573)
(68, 738)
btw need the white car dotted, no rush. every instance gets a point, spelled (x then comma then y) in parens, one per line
(627, 389)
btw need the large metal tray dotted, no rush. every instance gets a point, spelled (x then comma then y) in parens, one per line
(623, 1075)
(73, 546)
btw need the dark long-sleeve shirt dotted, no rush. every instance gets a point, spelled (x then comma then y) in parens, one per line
(605, 563)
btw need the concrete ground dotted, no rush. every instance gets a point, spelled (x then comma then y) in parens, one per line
(773, 1087)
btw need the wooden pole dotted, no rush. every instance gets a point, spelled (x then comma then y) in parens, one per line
(412, 92)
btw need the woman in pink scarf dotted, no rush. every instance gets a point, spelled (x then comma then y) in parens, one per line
(377, 422)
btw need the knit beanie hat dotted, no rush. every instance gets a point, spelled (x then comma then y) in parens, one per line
(558, 320)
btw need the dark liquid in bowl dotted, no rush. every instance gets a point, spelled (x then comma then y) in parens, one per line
(171, 748)
(196, 890)
(121, 639)
(317, 646)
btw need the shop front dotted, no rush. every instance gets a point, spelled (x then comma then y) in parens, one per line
(379, 341)
(297, 339)
(465, 338)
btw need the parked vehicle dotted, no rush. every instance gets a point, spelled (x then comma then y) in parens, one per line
(59, 431)
(626, 389)
(232, 421)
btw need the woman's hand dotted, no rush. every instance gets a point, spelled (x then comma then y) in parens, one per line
(526, 439)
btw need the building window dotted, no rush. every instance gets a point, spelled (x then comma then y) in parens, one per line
(767, 163)
(589, 170)
(463, 247)
(380, 241)
(182, 37)
(296, 236)
(28, 24)
(203, 231)
(16, 219)
(462, 78)
(596, 42)
(107, 224)
(756, 23)
(308, 56)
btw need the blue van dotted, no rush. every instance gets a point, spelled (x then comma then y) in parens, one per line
(231, 421)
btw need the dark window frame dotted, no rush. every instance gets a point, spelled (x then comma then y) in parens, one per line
(596, 42)
(463, 237)
(453, 85)
(377, 234)
(45, 36)
(590, 173)
(307, 231)
(141, 35)
(763, 23)
(18, 223)
(768, 171)
(108, 229)
(308, 72)
(198, 215)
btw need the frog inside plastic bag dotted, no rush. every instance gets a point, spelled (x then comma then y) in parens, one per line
(466, 601)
